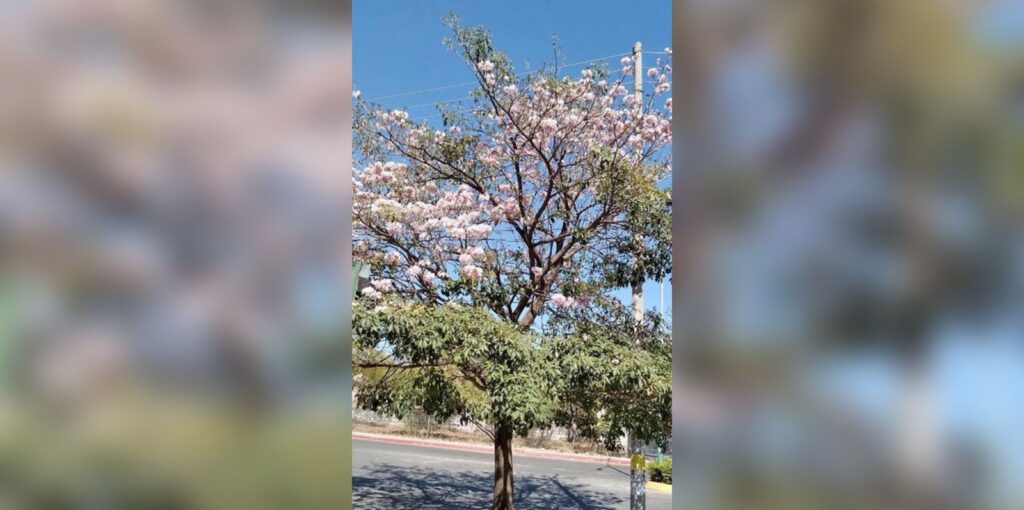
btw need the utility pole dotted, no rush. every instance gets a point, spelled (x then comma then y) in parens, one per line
(638, 76)
(661, 298)
(637, 475)
(360, 277)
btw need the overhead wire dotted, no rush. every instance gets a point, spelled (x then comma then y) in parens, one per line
(458, 99)
(463, 84)
(423, 91)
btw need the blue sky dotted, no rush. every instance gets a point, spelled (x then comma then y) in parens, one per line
(397, 48)
(397, 44)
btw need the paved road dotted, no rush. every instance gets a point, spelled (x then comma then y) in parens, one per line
(394, 476)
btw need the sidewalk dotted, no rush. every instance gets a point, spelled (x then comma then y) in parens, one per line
(470, 447)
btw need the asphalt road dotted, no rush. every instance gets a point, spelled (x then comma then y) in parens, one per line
(395, 476)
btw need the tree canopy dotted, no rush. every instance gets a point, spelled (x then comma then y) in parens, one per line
(453, 361)
(535, 186)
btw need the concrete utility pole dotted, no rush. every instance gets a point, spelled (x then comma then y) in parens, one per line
(661, 298)
(360, 277)
(637, 474)
(638, 76)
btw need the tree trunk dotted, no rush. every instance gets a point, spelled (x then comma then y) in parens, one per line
(503, 487)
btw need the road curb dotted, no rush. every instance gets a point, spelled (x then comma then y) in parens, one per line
(660, 487)
(520, 452)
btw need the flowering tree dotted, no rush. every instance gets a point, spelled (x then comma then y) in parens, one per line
(523, 202)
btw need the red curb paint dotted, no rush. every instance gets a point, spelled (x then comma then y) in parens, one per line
(484, 449)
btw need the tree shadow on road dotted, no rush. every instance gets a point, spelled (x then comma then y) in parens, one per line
(400, 487)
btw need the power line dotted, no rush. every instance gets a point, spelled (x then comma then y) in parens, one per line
(446, 87)
(458, 99)
(434, 103)
(423, 91)
(593, 60)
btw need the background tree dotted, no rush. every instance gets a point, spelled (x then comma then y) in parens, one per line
(518, 206)
(899, 124)
(614, 370)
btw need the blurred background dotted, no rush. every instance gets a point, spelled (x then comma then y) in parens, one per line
(849, 190)
(174, 254)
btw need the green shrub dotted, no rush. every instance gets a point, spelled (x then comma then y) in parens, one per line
(660, 471)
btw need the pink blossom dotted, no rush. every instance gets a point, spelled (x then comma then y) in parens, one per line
(429, 276)
(439, 220)
(489, 159)
(625, 60)
(383, 285)
(511, 208)
(472, 272)
(561, 301)
(652, 72)
(480, 231)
